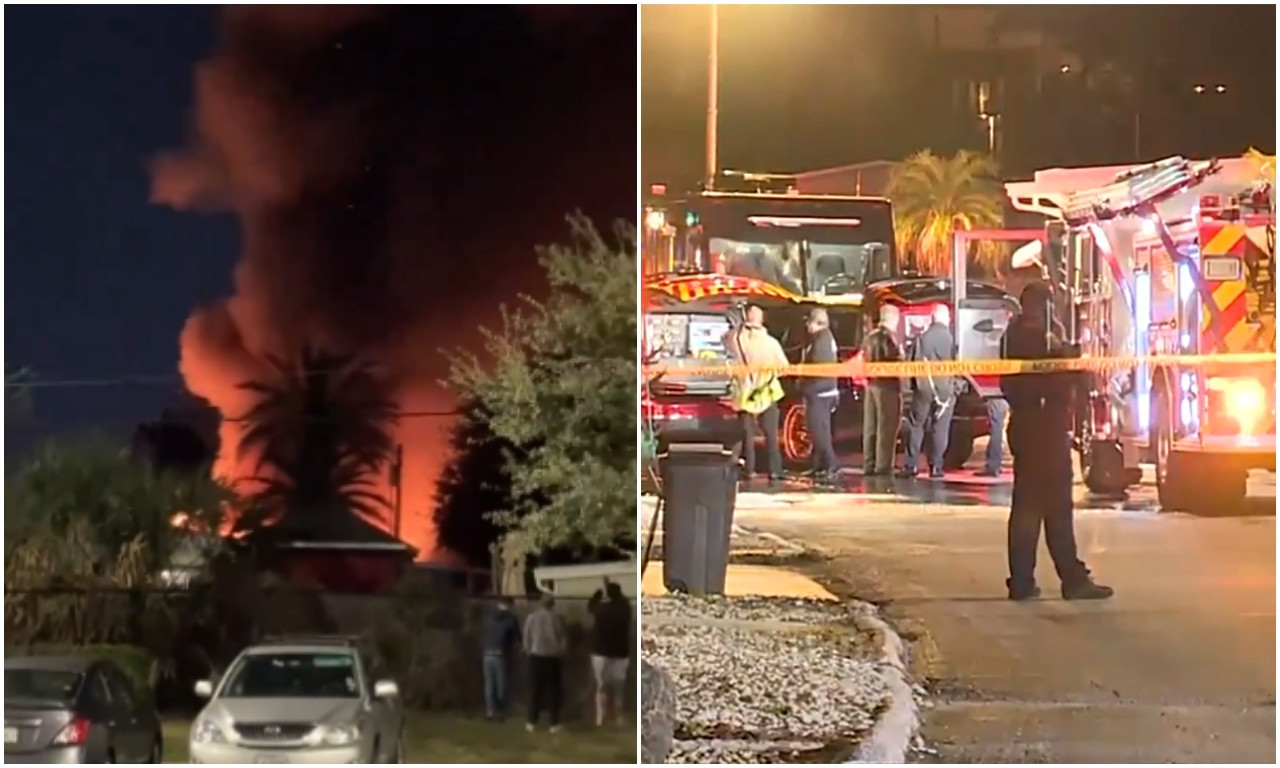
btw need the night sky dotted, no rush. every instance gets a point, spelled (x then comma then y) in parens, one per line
(806, 87)
(481, 127)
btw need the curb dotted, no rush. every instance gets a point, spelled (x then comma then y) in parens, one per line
(890, 738)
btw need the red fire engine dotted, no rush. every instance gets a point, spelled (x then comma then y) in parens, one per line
(1172, 258)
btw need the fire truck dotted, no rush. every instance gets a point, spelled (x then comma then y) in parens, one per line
(1173, 258)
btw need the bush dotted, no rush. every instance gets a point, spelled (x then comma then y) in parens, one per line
(133, 661)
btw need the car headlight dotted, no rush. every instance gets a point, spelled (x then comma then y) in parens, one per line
(341, 735)
(205, 731)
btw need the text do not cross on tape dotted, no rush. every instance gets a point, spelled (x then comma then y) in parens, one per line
(858, 369)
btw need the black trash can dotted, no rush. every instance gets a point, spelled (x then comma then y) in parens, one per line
(700, 487)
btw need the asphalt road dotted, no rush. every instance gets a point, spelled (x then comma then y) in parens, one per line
(1178, 667)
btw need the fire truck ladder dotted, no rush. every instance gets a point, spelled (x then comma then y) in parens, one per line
(1136, 192)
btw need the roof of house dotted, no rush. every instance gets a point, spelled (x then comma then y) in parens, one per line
(346, 530)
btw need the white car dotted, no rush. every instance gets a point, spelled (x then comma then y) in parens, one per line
(298, 700)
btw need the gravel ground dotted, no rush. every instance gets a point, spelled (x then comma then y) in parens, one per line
(765, 680)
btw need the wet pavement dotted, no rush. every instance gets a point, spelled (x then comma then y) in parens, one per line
(966, 489)
(1178, 667)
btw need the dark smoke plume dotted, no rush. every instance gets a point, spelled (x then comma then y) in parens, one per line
(291, 132)
(392, 169)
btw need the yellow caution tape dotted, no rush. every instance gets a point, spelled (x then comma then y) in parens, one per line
(858, 369)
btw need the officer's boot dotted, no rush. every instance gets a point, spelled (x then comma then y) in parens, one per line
(1086, 590)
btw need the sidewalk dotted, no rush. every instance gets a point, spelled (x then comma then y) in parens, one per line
(743, 580)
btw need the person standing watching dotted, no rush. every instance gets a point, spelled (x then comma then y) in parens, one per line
(933, 397)
(1040, 421)
(756, 394)
(611, 637)
(501, 636)
(882, 408)
(545, 644)
(821, 396)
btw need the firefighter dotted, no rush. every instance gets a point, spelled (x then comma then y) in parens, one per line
(756, 394)
(882, 408)
(1040, 414)
(821, 396)
(933, 397)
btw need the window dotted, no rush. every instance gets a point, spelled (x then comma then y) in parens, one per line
(97, 693)
(321, 675)
(120, 689)
(42, 684)
(675, 336)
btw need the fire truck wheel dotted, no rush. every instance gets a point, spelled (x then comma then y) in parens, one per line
(1202, 484)
(794, 436)
(1102, 466)
(1197, 483)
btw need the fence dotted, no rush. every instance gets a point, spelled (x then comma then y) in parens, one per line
(428, 643)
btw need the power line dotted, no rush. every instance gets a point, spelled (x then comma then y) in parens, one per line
(34, 383)
(111, 381)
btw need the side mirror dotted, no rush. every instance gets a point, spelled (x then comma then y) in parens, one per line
(204, 689)
(385, 689)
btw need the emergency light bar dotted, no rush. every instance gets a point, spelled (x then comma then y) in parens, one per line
(803, 221)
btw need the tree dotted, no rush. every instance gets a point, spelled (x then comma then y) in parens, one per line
(935, 196)
(92, 481)
(320, 430)
(89, 531)
(559, 386)
(474, 487)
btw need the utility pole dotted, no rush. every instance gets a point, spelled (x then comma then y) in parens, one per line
(713, 95)
(397, 470)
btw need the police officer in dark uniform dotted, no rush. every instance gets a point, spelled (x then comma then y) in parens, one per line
(1040, 414)
(882, 403)
(821, 396)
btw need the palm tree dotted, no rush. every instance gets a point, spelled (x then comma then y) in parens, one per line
(322, 429)
(934, 196)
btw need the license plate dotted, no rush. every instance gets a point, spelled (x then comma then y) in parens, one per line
(271, 758)
(10, 735)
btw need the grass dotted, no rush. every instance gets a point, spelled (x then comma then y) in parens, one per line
(442, 738)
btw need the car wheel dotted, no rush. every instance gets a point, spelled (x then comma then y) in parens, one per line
(794, 437)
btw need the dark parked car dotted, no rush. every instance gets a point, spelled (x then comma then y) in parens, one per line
(76, 710)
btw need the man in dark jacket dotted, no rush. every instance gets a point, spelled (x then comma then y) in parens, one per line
(821, 395)
(882, 407)
(501, 634)
(1040, 420)
(933, 397)
(611, 638)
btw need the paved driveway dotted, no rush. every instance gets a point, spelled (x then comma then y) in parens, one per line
(1180, 666)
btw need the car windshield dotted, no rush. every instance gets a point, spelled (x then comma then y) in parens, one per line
(41, 684)
(293, 676)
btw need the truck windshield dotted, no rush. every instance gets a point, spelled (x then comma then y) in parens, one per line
(807, 268)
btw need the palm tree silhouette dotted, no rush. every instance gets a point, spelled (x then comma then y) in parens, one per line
(322, 425)
(935, 196)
